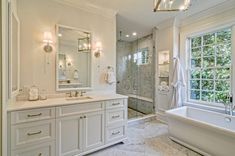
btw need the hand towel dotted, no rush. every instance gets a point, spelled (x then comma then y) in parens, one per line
(110, 77)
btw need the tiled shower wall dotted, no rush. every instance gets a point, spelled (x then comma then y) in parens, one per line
(136, 79)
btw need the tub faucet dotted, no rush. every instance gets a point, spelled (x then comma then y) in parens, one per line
(82, 92)
(231, 109)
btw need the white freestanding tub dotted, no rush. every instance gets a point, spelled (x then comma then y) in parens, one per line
(206, 132)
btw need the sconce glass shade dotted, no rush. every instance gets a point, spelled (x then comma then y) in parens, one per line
(47, 37)
(48, 40)
(84, 44)
(171, 5)
(98, 49)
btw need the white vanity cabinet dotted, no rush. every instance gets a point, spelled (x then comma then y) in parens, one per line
(80, 128)
(32, 132)
(69, 129)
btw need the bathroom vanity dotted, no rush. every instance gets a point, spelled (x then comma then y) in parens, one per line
(66, 127)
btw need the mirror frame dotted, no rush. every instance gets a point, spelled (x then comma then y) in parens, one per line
(12, 13)
(57, 60)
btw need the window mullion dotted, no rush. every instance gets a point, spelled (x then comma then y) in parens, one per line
(202, 48)
(215, 67)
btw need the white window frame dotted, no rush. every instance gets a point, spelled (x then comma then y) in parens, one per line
(186, 63)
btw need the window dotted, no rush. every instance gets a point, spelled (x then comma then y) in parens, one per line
(141, 57)
(210, 67)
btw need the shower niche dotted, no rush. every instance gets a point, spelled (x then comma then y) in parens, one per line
(163, 70)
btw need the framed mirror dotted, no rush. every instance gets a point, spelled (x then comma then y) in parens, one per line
(73, 59)
(14, 52)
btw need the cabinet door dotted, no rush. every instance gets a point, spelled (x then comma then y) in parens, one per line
(69, 135)
(93, 130)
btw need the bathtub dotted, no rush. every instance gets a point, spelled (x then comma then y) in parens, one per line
(207, 132)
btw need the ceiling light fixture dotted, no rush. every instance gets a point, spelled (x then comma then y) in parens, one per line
(171, 5)
(134, 33)
(127, 36)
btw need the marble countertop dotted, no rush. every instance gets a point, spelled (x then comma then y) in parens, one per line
(51, 102)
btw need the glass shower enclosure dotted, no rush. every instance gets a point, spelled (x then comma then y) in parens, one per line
(135, 75)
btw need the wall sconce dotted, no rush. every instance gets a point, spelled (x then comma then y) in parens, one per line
(98, 49)
(69, 62)
(48, 40)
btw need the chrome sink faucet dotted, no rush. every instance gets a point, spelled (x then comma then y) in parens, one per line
(76, 93)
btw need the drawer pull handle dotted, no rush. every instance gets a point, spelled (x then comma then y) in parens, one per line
(114, 117)
(115, 133)
(115, 104)
(30, 134)
(34, 115)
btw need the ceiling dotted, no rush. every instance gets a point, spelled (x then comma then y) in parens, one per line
(138, 16)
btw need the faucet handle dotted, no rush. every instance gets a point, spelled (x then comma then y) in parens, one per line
(82, 92)
(70, 94)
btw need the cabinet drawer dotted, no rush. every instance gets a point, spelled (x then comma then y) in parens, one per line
(32, 115)
(115, 133)
(78, 109)
(114, 116)
(46, 149)
(32, 133)
(115, 103)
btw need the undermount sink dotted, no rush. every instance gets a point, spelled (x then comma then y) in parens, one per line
(79, 98)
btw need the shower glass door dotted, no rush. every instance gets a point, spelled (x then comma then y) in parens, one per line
(135, 75)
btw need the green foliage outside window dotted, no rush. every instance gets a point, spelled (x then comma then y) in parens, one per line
(210, 67)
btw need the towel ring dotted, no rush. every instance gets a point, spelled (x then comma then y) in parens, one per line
(110, 68)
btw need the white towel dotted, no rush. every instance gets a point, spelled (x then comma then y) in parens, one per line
(75, 75)
(110, 77)
(178, 82)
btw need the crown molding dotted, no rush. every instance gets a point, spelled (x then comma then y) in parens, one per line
(218, 9)
(166, 24)
(88, 7)
(172, 22)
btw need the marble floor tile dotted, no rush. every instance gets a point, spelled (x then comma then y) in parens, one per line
(147, 139)
(134, 114)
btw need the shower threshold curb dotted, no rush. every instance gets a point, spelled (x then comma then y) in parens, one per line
(140, 120)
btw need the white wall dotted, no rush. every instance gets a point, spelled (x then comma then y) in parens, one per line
(166, 40)
(38, 16)
(202, 23)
